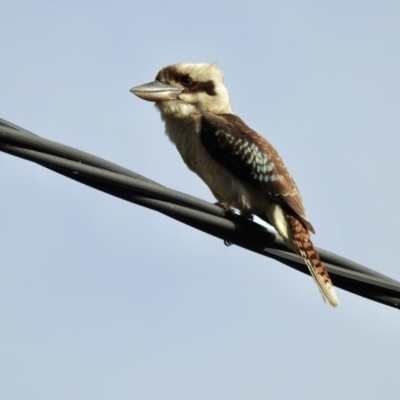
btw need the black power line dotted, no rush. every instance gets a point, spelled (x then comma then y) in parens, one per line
(125, 184)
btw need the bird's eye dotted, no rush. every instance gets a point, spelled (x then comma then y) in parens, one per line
(186, 80)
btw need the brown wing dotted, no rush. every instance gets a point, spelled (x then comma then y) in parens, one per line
(252, 158)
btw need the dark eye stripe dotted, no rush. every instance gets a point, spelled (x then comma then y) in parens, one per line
(172, 74)
(207, 87)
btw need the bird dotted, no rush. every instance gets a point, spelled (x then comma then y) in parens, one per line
(241, 168)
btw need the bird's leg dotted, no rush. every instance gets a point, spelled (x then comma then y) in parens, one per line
(230, 212)
(225, 206)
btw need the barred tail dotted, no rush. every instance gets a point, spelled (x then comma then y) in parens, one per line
(302, 240)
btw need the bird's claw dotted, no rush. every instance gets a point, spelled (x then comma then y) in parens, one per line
(225, 207)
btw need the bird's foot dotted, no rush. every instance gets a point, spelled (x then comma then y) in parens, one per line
(225, 207)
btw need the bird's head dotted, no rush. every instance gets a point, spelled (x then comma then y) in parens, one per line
(185, 90)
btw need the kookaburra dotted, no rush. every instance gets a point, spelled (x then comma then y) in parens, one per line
(240, 167)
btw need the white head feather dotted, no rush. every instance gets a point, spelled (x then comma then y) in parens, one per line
(203, 90)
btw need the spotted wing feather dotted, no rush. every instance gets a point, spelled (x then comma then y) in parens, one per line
(252, 158)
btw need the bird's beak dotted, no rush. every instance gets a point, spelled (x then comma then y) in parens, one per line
(156, 91)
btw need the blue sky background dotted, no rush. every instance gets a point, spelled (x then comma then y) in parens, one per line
(102, 299)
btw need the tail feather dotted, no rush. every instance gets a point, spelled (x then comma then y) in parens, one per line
(305, 247)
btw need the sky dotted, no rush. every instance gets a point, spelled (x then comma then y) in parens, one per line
(103, 299)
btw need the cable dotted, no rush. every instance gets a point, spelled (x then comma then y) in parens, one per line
(130, 186)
